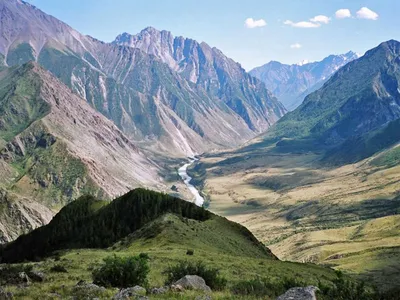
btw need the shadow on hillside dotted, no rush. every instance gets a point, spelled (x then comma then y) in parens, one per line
(338, 214)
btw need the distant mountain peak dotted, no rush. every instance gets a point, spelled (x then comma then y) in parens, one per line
(292, 83)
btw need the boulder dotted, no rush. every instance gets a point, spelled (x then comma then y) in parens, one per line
(193, 282)
(136, 292)
(5, 295)
(299, 293)
(37, 276)
(159, 291)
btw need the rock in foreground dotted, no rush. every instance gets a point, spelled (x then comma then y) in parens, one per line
(300, 293)
(193, 282)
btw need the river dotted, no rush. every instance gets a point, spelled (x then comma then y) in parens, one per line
(198, 199)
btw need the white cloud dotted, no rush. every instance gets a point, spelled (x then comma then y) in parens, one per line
(296, 46)
(320, 19)
(303, 24)
(366, 13)
(251, 23)
(343, 13)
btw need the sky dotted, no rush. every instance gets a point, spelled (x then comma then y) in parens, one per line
(252, 32)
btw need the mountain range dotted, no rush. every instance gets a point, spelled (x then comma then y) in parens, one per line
(107, 117)
(360, 98)
(198, 99)
(292, 83)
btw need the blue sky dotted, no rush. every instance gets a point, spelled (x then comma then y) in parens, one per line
(277, 30)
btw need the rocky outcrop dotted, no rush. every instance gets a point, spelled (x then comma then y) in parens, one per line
(300, 293)
(20, 215)
(193, 282)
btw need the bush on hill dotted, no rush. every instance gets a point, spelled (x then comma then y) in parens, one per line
(122, 272)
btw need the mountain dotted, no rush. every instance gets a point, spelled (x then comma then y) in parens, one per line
(292, 83)
(56, 147)
(192, 109)
(361, 97)
(209, 68)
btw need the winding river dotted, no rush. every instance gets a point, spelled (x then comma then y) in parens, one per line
(198, 199)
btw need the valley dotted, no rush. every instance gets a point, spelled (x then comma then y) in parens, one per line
(163, 157)
(346, 217)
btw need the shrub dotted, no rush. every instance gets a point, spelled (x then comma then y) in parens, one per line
(345, 289)
(122, 272)
(254, 287)
(183, 268)
(261, 287)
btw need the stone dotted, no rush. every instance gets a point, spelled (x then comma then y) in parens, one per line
(193, 282)
(299, 293)
(177, 288)
(136, 292)
(159, 291)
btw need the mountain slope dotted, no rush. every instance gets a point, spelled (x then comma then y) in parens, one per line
(359, 98)
(127, 85)
(20, 215)
(58, 147)
(292, 83)
(210, 69)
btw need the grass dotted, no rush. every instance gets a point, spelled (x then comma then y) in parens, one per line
(235, 258)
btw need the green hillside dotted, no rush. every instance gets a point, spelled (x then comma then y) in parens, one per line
(167, 229)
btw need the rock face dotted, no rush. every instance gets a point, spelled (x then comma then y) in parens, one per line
(172, 94)
(193, 282)
(20, 215)
(299, 293)
(292, 83)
